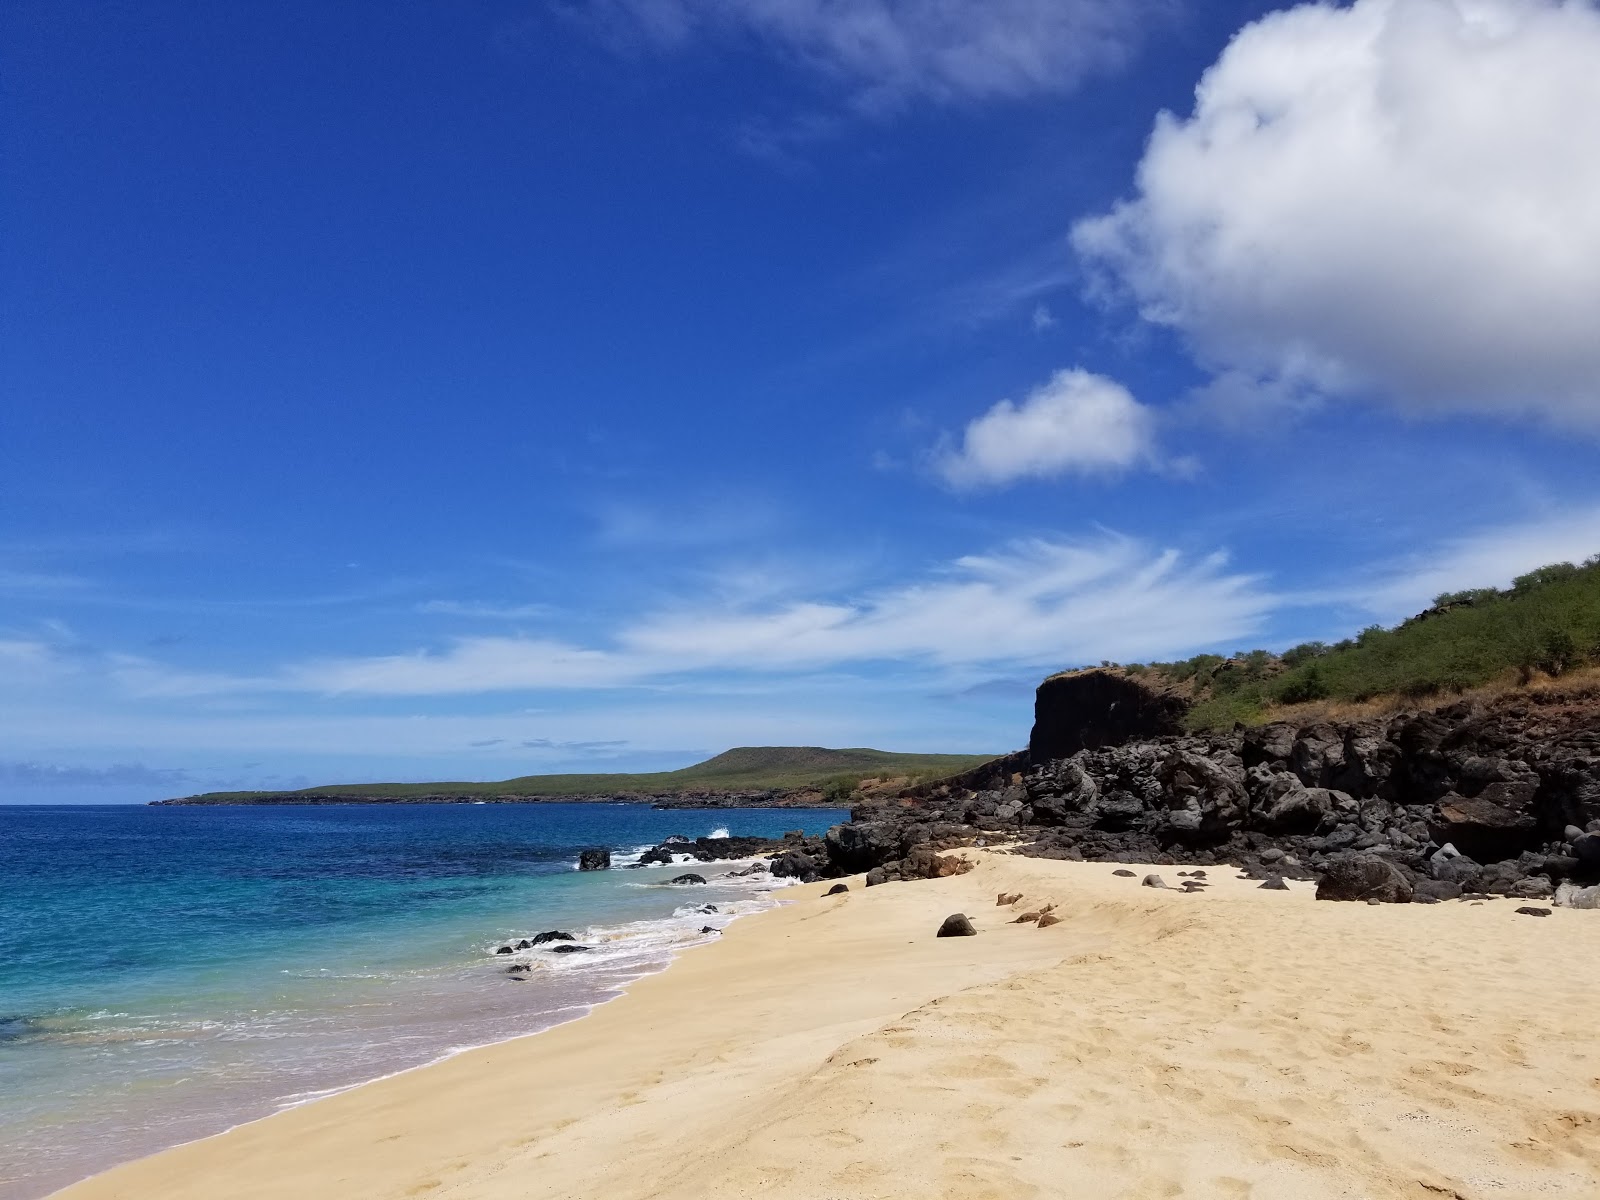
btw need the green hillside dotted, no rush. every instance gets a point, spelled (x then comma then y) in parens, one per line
(833, 773)
(1546, 624)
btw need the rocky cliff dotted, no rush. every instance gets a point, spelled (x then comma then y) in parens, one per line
(1085, 710)
(1501, 798)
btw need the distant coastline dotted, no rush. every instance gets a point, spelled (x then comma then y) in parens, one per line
(744, 777)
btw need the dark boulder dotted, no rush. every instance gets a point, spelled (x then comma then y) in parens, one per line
(797, 864)
(1205, 796)
(1586, 850)
(1365, 879)
(568, 948)
(597, 858)
(1496, 824)
(861, 845)
(688, 877)
(552, 935)
(1088, 709)
(1267, 745)
(1318, 755)
(505, 950)
(956, 925)
(1274, 883)
(1435, 889)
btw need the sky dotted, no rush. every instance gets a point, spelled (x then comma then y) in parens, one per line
(465, 389)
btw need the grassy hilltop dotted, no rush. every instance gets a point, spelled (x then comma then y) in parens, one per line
(1545, 625)
(832, 774)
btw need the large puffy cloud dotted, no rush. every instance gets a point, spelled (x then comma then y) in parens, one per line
(1077, 423)
(888, 51)
(1395, 199)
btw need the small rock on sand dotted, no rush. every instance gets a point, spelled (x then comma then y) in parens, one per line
(1274, 884)
(956, 925)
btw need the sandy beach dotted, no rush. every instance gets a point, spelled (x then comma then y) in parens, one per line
(1232, 1043)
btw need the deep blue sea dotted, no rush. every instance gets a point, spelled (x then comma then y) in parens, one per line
(166, 973)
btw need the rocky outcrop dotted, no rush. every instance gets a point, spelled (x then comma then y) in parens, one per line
(595, 859)
(1086, 710)
(1500, 799)
(1365, 879)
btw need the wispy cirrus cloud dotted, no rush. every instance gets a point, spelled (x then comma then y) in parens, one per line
(885, 53)
(1041, 602)
(475, 610)
(1490, 557)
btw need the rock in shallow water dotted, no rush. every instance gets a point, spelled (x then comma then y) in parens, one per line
(956, 925)
(568, 948)
(688, 877)
(597, 858)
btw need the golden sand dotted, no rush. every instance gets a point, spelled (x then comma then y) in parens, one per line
(1233, 1043)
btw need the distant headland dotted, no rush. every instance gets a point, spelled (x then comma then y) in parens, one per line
(746, 776)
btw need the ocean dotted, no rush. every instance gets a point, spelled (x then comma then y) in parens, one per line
(166, 973)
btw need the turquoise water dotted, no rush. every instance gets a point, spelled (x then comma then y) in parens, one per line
(166, 973)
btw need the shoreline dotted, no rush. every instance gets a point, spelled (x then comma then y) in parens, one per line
(838, 1033)
(769, 897)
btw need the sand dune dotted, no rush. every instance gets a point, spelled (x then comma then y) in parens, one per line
(1236, 1043)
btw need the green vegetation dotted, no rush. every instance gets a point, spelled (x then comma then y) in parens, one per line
(1547, 622)
(836, 774)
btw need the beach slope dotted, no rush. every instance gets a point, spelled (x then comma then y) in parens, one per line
(1232, 1043)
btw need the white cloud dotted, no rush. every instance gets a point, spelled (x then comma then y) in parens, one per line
(1043, 318)
(1041, 604)
(1077, 423)
(487, 612)
(1395, 198)
(1490, 557)
(888, 51)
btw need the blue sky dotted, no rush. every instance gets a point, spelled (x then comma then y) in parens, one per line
(463, 390)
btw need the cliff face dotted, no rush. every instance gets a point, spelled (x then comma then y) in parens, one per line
(1501, 798)
(1088, 710)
